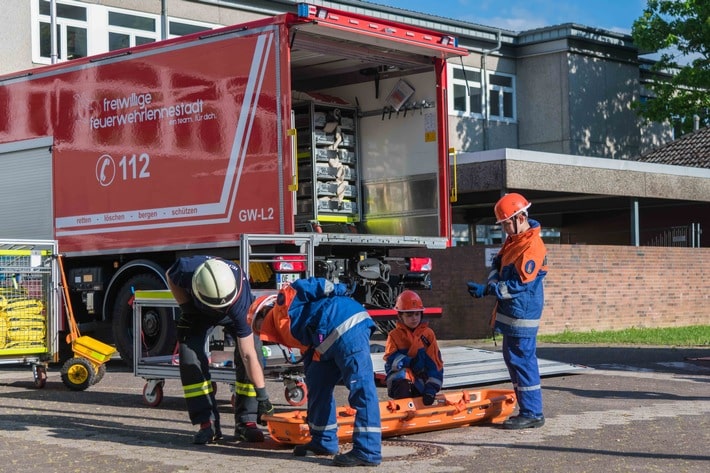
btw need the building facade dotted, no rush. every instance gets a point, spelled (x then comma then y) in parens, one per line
(562, 89)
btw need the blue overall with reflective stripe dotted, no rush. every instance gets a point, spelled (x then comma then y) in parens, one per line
(338, 329)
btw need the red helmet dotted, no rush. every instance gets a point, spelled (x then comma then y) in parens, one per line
(260, 307)
(409, 301)
(509, 206)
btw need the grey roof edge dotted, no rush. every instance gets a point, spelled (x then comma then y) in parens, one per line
(512, 154)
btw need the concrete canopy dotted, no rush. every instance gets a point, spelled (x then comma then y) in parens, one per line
(565, 187)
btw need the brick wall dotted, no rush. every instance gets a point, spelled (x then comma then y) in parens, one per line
(588, 287)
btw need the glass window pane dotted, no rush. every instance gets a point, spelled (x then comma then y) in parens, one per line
(459, 98)
(142, 40)
(45, 40)
(493, 104)
(181, 29)
(471, 76)
(118, 41)
(475, 100)
(131, 21)
(507, 104)
(504, 81)
(76, 42)
(63, 11)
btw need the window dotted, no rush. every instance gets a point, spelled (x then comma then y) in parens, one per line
(466, 101)
(181, 28)
(127, 30)
(501, 96)
(466, 96)
(85, 29)
(71, 33)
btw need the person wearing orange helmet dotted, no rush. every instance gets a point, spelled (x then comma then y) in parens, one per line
(413, 361)
(333, 331)
(516, 280)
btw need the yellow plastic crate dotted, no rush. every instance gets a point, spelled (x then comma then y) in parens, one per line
(92, 349)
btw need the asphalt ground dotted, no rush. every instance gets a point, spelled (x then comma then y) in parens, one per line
(636, 410)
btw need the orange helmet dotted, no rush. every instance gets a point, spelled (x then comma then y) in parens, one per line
(409, 301)
(509, 206)
(260, 307)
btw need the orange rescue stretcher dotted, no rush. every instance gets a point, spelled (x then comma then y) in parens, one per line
(406, 416)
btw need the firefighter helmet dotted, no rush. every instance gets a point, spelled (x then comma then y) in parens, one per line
(409, 301)
(509, 206)
(259, 308)
(215, 285)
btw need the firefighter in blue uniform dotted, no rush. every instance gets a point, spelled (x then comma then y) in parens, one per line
(210, 292)
(516, 280)
(333, 330)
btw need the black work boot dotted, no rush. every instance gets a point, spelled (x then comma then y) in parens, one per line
(248, 432)
(205, 435)
(519, 422)
(350, 459)
(302, 450)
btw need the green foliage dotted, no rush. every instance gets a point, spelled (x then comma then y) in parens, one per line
(691, 336)
(680, 31)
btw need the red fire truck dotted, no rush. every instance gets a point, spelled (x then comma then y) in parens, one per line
(320, 124)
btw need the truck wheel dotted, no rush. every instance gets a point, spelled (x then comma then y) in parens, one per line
(78, 374)
(158, 326)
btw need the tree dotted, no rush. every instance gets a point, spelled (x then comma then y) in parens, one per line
(680, 31)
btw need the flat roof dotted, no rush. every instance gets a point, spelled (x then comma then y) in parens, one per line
(508, 168)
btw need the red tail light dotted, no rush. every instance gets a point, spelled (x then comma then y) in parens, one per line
(420, 265)
(289, 264)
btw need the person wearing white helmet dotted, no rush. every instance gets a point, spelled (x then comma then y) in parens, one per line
(212, 291)
(413, 362)
(516, 280)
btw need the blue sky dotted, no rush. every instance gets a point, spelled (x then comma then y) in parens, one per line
(518, 15)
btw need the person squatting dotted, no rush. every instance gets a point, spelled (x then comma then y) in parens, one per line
(413, 363)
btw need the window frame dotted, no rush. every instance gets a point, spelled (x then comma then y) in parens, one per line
(502, 89)
(97, 28)
(486, 90)
(62, 25)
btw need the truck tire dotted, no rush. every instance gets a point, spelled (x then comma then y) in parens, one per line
(157, 323)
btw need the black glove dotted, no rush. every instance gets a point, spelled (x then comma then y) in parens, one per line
(430, 390)
(428, 399)
(183, 327)
(264, 406)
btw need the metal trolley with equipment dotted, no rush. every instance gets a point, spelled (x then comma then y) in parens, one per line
(29, 305)
(30, 316)
(156, 369)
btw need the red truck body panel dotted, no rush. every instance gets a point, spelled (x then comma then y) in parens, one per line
(165, 145)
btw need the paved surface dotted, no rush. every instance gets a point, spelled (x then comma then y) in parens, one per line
(638, 410)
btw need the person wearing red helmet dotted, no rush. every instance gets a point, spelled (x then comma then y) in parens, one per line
(413, 361)
(516, 280)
